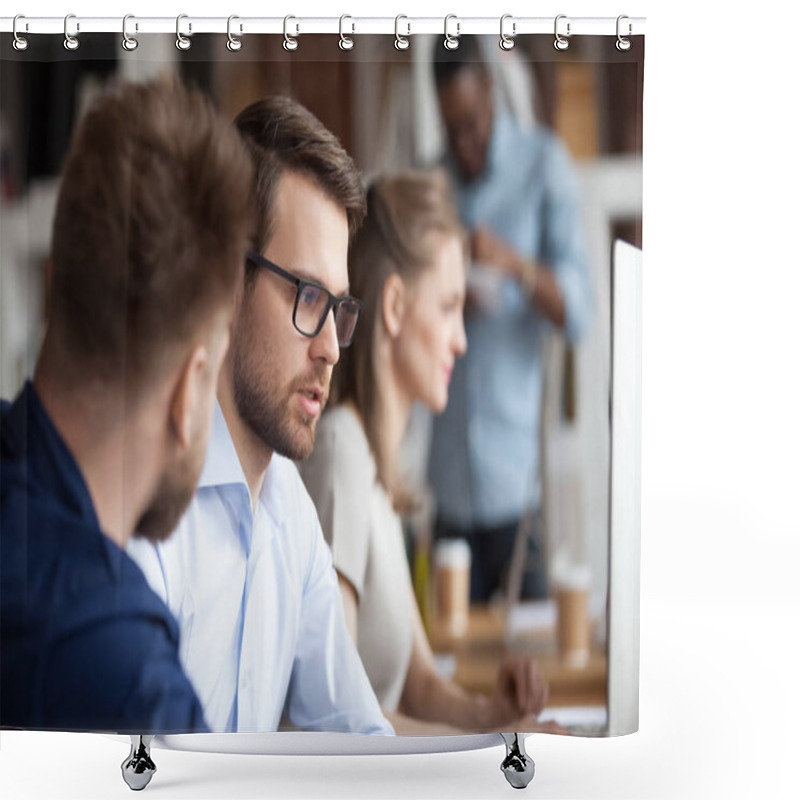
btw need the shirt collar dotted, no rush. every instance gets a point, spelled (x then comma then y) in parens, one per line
(223, 468)
(274, 491)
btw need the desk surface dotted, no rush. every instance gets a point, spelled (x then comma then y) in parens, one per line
(478, 654)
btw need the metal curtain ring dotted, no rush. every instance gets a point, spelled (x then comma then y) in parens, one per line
(234, 43)
(182, 42)
(345, 42)
(506, 41)
(71, 43)
(129, 43)
(401, 42)
(623, 43)
(289, 42)
(20, 43)
(451, 42)
(561, 42)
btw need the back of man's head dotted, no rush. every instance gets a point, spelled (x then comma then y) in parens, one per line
(154, 215)
(283, 135)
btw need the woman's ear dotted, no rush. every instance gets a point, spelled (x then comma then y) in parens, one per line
(393, 304)
(186, 406)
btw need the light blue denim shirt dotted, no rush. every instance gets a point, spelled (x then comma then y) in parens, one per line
(257, 600)
(485, 453)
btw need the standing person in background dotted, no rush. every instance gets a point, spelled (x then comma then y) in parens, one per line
(152, 223)
(517, 194)
(408, 264)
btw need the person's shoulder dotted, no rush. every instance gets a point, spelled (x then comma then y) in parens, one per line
(341, 418)
(342, 463)
(16, 488)
(119, 668)
(110, 607)
(537, 134)
(33, 519)
(111, 595)
(68, 570)
(82, 607)
(549, 146)
(341, 439)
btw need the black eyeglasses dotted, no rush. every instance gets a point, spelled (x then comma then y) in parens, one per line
(313, 302)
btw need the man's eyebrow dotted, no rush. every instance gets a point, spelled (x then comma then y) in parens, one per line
(306, 276)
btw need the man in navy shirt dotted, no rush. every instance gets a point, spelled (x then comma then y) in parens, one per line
(149, 239)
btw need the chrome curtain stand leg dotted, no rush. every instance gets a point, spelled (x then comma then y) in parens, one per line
(138, 768)
(517, 766)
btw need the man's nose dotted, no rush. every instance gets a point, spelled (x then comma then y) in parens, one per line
(325, 344)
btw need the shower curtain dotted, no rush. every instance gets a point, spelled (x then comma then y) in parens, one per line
(498, 576)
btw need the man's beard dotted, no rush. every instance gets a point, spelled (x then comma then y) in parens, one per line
(172, 497)
(268, 413)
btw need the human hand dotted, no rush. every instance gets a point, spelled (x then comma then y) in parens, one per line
(530, 724)
(520, 691)
(548, 726)
(486, 248)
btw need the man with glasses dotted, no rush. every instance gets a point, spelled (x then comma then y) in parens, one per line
(248, 573)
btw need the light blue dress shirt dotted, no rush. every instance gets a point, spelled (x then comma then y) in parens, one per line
(484, 465)
(258, 604)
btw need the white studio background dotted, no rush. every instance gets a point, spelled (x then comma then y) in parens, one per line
(720, 701)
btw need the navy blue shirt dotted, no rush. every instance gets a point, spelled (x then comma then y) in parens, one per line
(85, 644)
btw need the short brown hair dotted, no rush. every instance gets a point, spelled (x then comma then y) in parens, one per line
(283, 135)
(404, 213)
(153, 219)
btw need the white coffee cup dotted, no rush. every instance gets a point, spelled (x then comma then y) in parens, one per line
(571, 584)
(452, 559)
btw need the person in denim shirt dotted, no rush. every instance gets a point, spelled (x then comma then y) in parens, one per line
(517, 193)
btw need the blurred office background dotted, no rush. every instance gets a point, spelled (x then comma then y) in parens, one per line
(381, 103)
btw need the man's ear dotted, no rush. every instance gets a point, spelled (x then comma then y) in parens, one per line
(393, 302)
(185, 407)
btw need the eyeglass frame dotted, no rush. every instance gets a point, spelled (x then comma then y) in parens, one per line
(333, 301)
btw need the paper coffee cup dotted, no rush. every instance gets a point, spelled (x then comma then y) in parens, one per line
(452, 559)
(572, 583)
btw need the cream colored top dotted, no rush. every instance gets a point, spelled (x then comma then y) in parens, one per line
(366, 538)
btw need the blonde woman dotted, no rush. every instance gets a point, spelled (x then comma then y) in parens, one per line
(407, 265)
